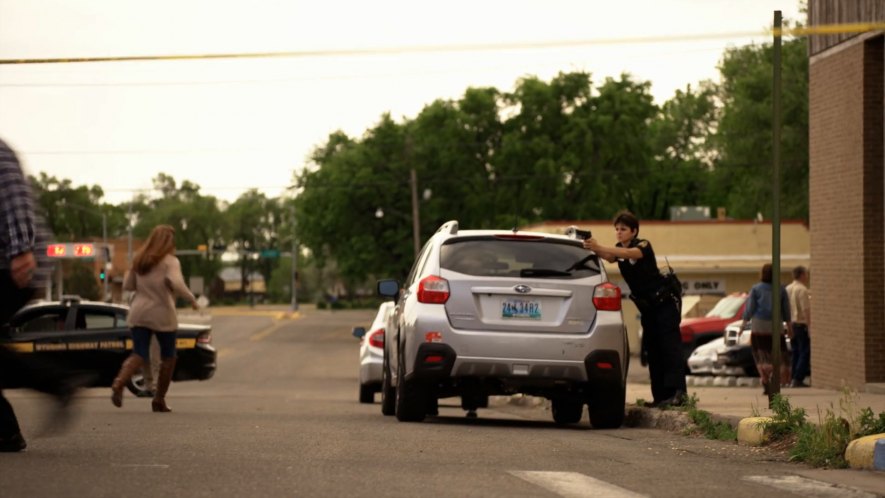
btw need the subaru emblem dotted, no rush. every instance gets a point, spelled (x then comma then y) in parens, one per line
(522, 289)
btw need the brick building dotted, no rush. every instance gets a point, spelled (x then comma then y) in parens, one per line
(847, 215)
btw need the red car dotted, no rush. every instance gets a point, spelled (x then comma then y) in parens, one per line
(701, 330)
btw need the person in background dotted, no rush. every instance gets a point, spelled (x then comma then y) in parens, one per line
(24, 272)
(659, 308)
(156, 279)
(800, 307)
(759, 313)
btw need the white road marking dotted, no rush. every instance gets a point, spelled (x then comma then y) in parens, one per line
(574, 484)
(809, 487)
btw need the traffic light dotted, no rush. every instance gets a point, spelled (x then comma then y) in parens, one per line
(101, 275)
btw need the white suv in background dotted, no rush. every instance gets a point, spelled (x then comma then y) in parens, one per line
(497, 312)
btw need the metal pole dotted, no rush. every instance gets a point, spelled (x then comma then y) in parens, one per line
(105, 252)
(294, 262)
(129, 237)
(416, 222)
(776, 318)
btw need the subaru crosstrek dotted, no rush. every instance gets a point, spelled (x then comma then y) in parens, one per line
(501, 312)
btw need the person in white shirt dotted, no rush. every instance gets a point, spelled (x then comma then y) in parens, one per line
(800, 309)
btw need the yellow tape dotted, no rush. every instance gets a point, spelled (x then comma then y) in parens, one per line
(822, 29)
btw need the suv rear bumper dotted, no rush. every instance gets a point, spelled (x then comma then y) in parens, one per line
(438, 362)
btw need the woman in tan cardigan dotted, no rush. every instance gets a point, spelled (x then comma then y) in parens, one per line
(156, 279)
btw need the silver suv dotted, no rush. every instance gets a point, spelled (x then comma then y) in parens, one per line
(498, 312)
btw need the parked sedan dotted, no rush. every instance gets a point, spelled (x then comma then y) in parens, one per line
(738, 352)
(372, 352)
(85, 336)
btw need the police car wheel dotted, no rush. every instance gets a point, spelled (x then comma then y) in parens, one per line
(136, 384)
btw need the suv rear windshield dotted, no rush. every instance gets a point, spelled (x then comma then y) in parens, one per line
(493, 257)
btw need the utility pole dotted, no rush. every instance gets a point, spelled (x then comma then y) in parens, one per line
(105, 253)
(294, 262)
(776, 318)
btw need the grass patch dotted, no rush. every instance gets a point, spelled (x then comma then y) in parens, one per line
(822, 444)
(704, 423)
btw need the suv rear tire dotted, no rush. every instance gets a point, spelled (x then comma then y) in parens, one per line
(567, 411)
(606, 407)
(388, 392)
(410, 403)
(367, 393)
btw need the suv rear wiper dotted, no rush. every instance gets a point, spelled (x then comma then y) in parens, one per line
(582, 263)
(543, 272)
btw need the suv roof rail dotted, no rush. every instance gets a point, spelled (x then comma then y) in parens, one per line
(70, 299)
(449, 226)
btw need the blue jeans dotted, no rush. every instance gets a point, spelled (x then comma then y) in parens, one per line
(801, 343)
(141, 342)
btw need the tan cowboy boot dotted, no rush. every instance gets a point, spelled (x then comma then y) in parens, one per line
(166, 370)
(130, 366)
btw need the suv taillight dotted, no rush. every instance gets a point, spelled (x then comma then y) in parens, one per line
(433, 290)
(376, 338)
(607, 297)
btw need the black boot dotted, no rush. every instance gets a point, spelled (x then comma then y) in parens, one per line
(678, 399)
(13, 443)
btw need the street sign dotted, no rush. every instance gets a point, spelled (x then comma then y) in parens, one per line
(82, 250)
(270, 253)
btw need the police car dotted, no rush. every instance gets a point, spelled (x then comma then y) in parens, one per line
(92, 337)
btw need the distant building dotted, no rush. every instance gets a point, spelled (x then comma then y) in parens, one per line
(229, 283)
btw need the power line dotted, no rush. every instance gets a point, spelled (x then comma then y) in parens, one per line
(827, 29)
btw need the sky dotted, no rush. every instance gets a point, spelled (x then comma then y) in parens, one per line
(229, 125)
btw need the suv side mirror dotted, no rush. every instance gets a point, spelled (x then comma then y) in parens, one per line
(389, 288)
(359, 332)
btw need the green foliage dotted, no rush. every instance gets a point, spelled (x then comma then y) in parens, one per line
(704, 423)
(80, 280)
(786, 420)
(822, 445)
(742, 177)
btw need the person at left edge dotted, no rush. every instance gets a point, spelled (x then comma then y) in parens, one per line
(659, 308)
(24, 272)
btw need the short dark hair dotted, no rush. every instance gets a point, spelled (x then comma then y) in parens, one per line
(627, 218)
(766, 273)
(798, 272)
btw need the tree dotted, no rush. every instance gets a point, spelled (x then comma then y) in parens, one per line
(197, 220)
(742, 143)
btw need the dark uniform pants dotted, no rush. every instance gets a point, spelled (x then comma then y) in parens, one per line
(801, 344)
(663, 344)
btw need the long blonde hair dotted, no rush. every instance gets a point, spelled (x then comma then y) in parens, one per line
(160, 242)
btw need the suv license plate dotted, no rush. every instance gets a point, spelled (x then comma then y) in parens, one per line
(521, 308)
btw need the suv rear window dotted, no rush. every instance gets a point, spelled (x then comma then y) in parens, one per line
(492, 257)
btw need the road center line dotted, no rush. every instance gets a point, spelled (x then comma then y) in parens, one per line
(574, 484)
(261, 334)
(809, 487)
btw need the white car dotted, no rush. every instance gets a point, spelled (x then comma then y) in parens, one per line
(372, 352)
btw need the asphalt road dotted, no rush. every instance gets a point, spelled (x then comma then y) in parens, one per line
(281, 418)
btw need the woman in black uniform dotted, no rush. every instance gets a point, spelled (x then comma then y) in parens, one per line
(659, 307)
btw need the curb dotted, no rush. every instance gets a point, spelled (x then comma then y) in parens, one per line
(751, 431)
(721, 381)
(867, 453)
